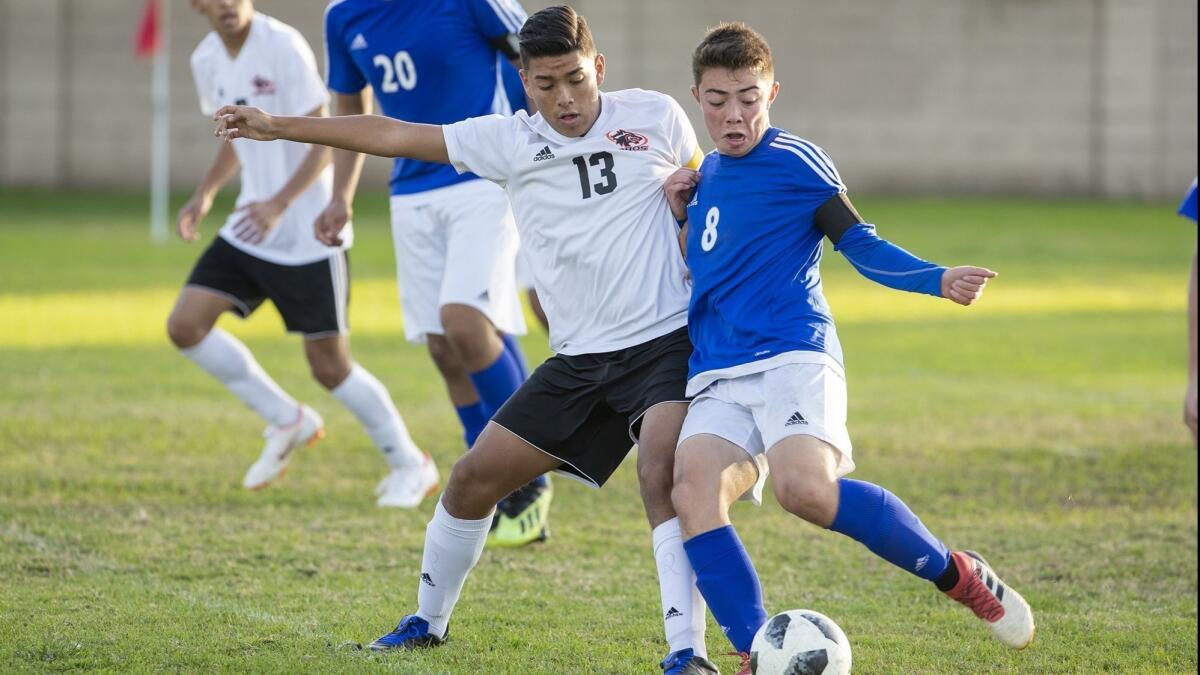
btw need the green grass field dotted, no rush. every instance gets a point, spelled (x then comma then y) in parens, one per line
(1041, 428)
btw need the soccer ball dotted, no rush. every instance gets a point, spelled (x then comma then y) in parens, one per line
(800, 642)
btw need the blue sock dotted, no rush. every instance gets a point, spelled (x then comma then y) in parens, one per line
(881, 522)
(727, 580)
(474, 418)
(513, 347)
(497, 382)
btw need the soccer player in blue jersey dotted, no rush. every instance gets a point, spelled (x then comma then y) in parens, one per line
(1187, 209)
(766, 374)
(439, 62)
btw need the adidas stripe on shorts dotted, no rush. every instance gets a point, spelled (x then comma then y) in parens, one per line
(756, 411)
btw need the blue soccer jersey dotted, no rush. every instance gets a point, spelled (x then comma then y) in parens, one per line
(428, 61)
(754, 250)
(1187, 208)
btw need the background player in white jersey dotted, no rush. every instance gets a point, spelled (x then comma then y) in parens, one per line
(767, 373)
(585, 178)
(267, 250)
(437, 62)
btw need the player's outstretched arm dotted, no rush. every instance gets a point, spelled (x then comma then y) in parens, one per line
(964, 284)
(372, 134)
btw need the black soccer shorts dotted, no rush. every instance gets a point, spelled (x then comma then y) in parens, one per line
(586, 410)
(312, 298)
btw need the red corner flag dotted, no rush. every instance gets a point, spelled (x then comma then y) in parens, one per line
(147, 41)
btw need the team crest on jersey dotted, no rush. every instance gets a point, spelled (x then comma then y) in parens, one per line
(627, 140)
(263, 86)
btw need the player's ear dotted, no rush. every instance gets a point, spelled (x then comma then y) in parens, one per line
(197, 5)
(599, 69)
(774, 93)
(696, 93)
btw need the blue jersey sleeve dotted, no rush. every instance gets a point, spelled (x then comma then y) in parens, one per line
(1187, 208)
(341, 73)
(496, 18)
(885, 263)
(514, 90)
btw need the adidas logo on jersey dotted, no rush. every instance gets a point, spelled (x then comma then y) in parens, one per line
(358, 43)
(543, 154)
(795, 419)
(427, 579)
(672, 613)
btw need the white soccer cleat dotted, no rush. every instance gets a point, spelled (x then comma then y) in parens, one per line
(281, 441)
(406, 488)
(993, 601)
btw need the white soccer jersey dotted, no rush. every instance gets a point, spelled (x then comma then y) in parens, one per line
(275, 70)
(592, 214)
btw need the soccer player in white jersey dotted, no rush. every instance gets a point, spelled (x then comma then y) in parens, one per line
(585, 179)
(439, 62)
(767, 373)
(267, 250)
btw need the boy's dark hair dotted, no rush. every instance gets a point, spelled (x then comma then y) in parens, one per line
(732, 45)
(555, 31)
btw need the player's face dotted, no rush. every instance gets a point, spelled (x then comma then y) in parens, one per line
(228, 17)
(735, 105)
(566, 90)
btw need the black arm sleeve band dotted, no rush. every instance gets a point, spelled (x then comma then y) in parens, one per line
(836, 216)
(507, 45)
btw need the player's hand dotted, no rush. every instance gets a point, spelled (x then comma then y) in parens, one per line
(257, 220)
(328, 226)
(679, 187)
(964, 285)
(190, 216)
(1189, 407)
(241, 121)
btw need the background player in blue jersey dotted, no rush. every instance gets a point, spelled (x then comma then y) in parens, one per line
(767, 374)
(1187, 209)
(439, 62)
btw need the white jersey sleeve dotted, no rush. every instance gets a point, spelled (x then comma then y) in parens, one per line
(682, 136)
(483, 146)
(302, 87)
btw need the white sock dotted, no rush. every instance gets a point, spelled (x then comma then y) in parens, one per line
(683, 607)
(452, 547)
(370, 402)
(225, 357)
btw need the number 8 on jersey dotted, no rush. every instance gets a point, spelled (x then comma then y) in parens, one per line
(708, 238)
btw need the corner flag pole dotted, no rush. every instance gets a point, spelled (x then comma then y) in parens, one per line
(160, 133)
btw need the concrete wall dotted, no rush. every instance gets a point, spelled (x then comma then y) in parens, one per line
(1044, 97)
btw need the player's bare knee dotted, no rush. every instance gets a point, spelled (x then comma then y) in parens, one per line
(656, 469)
(471, 491)
(184, 332)
(444, 357)
(329, 373)
(813, 498)
(692, 487)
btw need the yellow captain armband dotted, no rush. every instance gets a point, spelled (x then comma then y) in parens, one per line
(694, 162)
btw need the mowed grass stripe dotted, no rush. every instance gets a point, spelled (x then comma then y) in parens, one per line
(1042, 427)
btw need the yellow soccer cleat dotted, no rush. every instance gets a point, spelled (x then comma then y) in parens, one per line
(521, 518)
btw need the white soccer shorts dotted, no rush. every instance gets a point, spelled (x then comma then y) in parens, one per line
(456, 245)
(756, 411)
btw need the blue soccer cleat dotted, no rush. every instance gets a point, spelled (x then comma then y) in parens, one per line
(685, 662)
(411, 633)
